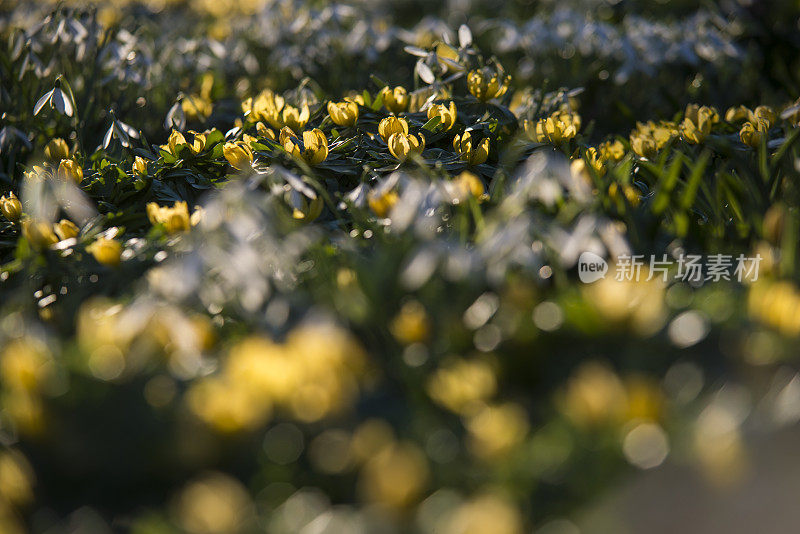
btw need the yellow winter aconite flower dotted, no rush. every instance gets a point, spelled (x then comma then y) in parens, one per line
(697, 123)
(395, 100)
(648, 138)
(738, 114)
(66, 229)
(343, 113)
(489, 512)
(495, 430)
(485, 83)
(294, 118)
(196, 107)
(39, 234)
(175, 219)
(766, 114)
(411, 324)
(106, 251)
(175, 141)
(56, 150)
(559, 127)
(612, 150)
(473, 155)
(139, 167)
(239, 154)
(69, 171)
(226, 406)
(404, 145)
(752, 133)
(446, 114)
(263, 131)
(313, 148)
(617, 191)
(392, 125)
(595, 160)
(462, 386)
(594, 395)
(11, 207)
(381, 204)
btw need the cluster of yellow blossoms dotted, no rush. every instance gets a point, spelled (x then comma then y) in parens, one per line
(558, 128)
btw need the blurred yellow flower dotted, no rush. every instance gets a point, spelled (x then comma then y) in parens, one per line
(738, 114)
(214, 503)
(496, 429)
(411, 324)
(25, 364)
(381, 204)
(594, 396)
(16, 478)
(462, 386)
(697, 123)
(395, 100)
(559, 127)
(489, 512)
(468, 184)
(66, 229)
(395, 477)
(612, 150)
(472, 155)
(304, 208)
(752, 133)
(39, 234)
(106, 251)
(175, 219)
(227, 406)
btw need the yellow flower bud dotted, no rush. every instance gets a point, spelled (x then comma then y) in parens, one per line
(752, 132)
(175, 219)
(404, 145)
(140, 166)
(295, 118)
(343, 113)
(39, 234)
(765, 113)
(612, 150)
(738, 114)
(106, 251)
(56, 149)
(470, 184)
(392, 125)
(69, 170)
(238, 154)
(11, 207)
(411, 325)
(473, 156)
(263, 131)
(395, 100)
(697, 123)
(486, 84)
(66, 229)
(446, 114)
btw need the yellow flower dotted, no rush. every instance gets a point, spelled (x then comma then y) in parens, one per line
(612, 150)
(446, 114)
(227, 406)
(66, 229)
(238, 154)
(39, 234)
(395, 100)
(56, 149)
(198, 142)
(139, 167)
(648, 138)
(470, 184)
(11, 207)
(765, 113)
(175, 141)
(106, 251)
(411, 324)
(491, 512)
(631, 194)
(738, 114)
(294, 118)
(403, 145)
(263, 131)
(343, 113)
(313, 148)
(391, 125)
(697, 123)
(559, 127)
(752, 133)
(175, 219)
(382, 204)
(644, 146)
(69, 170)
(395, 476)
(25, 364)
(473, 156)
(485, 84)
(213, 503)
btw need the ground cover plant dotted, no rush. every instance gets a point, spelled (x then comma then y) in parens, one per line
(307, 266)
